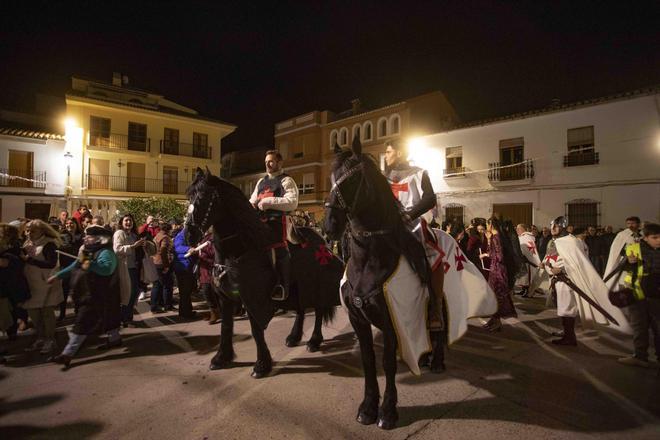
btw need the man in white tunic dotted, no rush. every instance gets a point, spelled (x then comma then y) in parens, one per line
(532, 263)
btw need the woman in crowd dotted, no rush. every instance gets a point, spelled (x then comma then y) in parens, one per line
(161, 292)
(13, 285)
(130, 250)
(95, 285)
(502, 272)
(71, 242)
(40, 258)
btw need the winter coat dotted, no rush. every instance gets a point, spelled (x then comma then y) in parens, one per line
(96, 293)
(122, 245)
(181, 262)
(13, 284)
(38, 268)
(163, 256)
(206, 261)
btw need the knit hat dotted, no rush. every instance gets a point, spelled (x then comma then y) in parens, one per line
(98, 231)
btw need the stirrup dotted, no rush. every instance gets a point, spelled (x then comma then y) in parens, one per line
(279, 293)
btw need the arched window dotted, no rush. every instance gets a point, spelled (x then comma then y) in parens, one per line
(382, 127)
(395, 123)
(367, 131)
(333, 138)
(357, 132)
(343, 136)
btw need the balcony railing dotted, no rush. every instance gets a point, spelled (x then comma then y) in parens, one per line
(184, 149)
(581, 158)
(135, 184)
(119, 142)
(40, 176)
(454, 172)
(520, 171)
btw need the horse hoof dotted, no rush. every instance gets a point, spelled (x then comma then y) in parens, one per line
(313, 346)
(260, 374)
(262, 369)
(387, 424)
(366, 419)
(292, 341)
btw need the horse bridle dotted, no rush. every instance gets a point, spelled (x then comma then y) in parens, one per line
(349, 209)
(205, 219)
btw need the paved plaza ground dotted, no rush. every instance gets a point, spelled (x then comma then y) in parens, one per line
(512, 384)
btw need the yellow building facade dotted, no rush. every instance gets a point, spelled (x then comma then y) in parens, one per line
(127, 143)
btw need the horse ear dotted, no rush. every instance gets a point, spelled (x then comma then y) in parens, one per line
(337, 148)
(199, 174)
(357, 146)
(208, 172)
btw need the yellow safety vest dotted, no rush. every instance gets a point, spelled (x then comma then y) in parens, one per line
(635, 249)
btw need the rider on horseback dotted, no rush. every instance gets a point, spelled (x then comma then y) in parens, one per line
(275, 195)
(411, 185)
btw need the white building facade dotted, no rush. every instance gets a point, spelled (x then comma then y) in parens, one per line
(597, 162)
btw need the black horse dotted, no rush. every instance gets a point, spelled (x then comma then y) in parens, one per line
(247, 272)
(362, 197)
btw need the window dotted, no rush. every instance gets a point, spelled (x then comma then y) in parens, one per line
(170, 180)
(283, 148)
(20, 164)
(454, 212)
(512, 151)
(367, 130)
(583, 212)
(454, 160)
(334, 135)
(137, 136)
(201, 145)
(170, 143)
(37, 211)
(343, 136)
(395, 122)
(135, 177)
(307, 186)
(580, 144)
(99, 174)
(357, 129)
(382, 127)
(99, 131)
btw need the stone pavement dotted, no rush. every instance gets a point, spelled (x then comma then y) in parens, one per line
(512, 384)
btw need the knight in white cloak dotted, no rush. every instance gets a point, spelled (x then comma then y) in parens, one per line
(532, 263)
(616, 256)
(566, 264)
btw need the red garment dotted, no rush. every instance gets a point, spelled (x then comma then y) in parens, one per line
(153, 230)
(76, 216)
(498, 280)
(206, 261)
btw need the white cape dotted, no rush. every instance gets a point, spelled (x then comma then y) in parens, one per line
(580, 270)
(467, 293)
(528, 248)
(621, 240)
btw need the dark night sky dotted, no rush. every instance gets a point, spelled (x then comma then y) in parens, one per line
(254, 65)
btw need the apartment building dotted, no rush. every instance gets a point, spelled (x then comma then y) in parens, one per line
(595, 161)
(115, 142)
(128, 142)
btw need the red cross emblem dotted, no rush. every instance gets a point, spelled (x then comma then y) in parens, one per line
(323, 255)
(551, 257)
(460, 259)
(266, 192)
(532, 247)
(399, 187)
(446, 266)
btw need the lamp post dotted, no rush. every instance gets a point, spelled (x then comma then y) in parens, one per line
(68, 157)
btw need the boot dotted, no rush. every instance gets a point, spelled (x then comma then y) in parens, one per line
(569, 332)
(438, 354)
(214, 316)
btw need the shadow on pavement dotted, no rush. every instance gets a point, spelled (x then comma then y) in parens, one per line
(78, 430)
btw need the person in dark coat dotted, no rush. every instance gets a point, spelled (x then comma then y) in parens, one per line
(71, 242)
(95, 284)
(183, 266)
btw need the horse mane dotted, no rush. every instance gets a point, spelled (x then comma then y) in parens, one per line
(244, 216)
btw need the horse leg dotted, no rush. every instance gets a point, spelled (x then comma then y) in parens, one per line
(314, 343)
(225, 354)
(368, 411)
(387, 414)
(264, 364)
(297, 330)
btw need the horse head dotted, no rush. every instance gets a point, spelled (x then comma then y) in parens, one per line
(360, 194)
(202, 196)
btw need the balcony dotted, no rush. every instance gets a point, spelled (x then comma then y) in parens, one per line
(20, 183)
(581, 158)
(515, 172)
(449, 173)
(119, 142)
(183, 149)
(135, 184)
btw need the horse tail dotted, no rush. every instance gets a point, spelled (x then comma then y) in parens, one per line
(327, 313)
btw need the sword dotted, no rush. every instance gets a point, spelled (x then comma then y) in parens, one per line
(566, 280)
(618, 269)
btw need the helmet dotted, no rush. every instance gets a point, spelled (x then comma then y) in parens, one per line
(560, 221)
